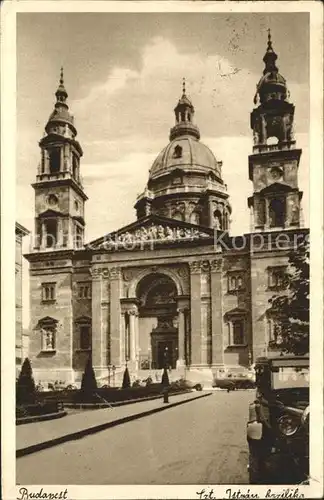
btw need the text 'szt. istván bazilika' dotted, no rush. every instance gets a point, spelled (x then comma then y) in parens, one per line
(174, 286)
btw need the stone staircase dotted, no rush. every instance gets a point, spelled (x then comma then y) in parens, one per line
(203, 376)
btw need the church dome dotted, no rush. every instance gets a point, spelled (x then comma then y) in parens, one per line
(185, 181)
(188, 153)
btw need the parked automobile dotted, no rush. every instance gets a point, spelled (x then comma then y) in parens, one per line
(187, 384)
(278, 425)
(231, 380)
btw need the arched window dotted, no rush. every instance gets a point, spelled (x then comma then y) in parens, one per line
(51, 233)
(277, 212)
(54, 160)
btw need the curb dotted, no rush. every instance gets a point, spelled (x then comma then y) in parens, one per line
(113, 404)
(40, 418)
(92, 430)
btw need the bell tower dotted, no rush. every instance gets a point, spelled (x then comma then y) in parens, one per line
(273, 166)
(59, 194)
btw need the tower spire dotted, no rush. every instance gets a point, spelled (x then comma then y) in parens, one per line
(270, 57)
(61, 93)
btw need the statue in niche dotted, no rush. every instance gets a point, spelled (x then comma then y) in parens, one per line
(48, 336)
(294, 213)
(169, 233)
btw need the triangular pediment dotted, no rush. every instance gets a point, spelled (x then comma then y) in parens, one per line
(276, 187)
(47, 320)
(237, 311)
(50, 213)
(152, 228)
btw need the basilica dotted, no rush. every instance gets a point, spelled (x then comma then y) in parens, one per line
(173, 288)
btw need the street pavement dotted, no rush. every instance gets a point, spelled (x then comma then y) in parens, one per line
(76, 424)
(200, 442)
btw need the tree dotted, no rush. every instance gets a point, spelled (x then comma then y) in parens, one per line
(88, 383)
(126, 379)
(26, 390)
(165, 378)
(291, 309)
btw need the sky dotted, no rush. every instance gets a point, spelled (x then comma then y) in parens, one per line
(123, 73)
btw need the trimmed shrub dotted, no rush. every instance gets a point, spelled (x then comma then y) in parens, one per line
(126, 379)
(25, 389)
(165, 378)
(88, 383)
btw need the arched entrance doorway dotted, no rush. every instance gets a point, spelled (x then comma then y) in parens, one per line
(158, 321)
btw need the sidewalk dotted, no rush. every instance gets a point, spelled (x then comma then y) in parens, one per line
(40, 435)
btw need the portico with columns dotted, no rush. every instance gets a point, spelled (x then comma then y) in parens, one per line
(158, 315)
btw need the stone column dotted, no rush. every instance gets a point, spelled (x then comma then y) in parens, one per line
(59, 241)
(66, 167)
(195, 306)
(123, 339)
(97, 333)
(181, 337)
(133, 334)
(43, 234)
(61, 159)
(46, 162)
(210, 213)
(115, 316)
(217, 312)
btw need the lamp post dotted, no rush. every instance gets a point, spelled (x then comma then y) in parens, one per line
(166, 357)
(149, 358)
(250, 359)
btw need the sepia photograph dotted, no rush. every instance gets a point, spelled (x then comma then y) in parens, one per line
(164, 212)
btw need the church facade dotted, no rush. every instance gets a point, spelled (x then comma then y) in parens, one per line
(173, 288)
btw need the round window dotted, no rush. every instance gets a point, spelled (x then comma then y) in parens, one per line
(52, 199)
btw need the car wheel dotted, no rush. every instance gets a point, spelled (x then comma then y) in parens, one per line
(256, 473)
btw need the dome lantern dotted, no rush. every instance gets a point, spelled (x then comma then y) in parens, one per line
(184, 113)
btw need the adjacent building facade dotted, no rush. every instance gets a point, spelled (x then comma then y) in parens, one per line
(174, 287)
(20, 232)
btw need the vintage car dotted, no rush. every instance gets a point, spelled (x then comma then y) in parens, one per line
(278, 425)
(235, 379)
(187, 384)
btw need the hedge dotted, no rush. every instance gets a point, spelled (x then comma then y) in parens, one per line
(109, 394)
(40, 408)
